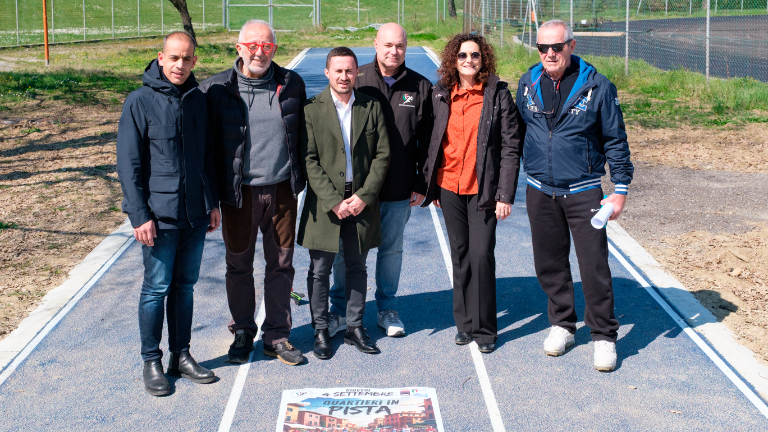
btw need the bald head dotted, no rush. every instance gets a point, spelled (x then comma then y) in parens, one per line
(390, 43)
(179, 36)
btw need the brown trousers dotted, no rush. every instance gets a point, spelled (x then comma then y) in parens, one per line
(273, 210)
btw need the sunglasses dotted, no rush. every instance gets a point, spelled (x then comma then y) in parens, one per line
(557, 47)
(267, 47)
(463, 56)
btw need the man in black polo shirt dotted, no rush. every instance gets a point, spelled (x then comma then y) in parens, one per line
(405, 97)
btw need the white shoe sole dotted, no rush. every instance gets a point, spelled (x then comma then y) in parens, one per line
(561, 352)
(605, 368)
(397, 333)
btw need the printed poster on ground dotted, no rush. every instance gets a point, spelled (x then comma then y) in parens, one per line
(407, 409)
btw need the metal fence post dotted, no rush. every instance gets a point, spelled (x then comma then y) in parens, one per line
(358, 10)
(707, 56)
(113, 19)
(626, 42)
(53, 24)
(571, 14)
(203, 15)
(138, 17)
(162, 18)
(18, 42)
(270, 12)
(437, 11)
(84, 20)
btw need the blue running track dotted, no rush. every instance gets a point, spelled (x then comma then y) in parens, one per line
(86, 374)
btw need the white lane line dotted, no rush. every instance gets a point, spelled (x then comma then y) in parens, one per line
(59, 316)
(242, 375)
(756, 401)
(242, 372)
(477, 356)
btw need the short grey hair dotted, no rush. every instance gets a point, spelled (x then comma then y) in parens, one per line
(559, 23)
(249, 23)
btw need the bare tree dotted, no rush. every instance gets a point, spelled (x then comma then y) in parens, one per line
(186, 20)
(452, 9)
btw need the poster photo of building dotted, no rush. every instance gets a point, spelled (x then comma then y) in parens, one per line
(408, 409)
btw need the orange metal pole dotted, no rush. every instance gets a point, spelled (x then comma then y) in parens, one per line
(45, 33)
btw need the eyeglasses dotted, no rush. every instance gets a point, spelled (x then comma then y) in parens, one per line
(267, 47)
(557, 47)
(463, 56)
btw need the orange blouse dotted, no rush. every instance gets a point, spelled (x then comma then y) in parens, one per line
(458, 172)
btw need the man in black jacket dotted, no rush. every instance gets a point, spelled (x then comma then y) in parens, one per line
(255, 110)
(405, 97)
(165, 166)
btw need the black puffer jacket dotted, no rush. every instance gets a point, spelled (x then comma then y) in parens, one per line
(498, 144)
(229, 121)
(165, 155)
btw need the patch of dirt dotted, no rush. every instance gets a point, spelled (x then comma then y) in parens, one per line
(743, 149)
(728, 274)
(697, 204)
(59, 197)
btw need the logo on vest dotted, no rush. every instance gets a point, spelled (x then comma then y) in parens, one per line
(530, 105)
(407, 99)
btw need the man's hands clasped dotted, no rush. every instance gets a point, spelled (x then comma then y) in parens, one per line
(351, 206)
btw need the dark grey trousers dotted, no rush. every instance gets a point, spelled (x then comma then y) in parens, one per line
(355, 287)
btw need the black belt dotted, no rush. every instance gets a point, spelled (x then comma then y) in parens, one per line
(347, 187)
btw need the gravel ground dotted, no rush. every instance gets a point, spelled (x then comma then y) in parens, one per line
(668, 202)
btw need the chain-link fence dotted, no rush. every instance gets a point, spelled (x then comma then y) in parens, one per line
(77, 20)
(722, 38)
(21, 22)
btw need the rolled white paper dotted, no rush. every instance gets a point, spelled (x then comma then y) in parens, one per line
(601, 218)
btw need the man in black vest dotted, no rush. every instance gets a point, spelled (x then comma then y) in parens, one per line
(166, 171)
(405, 98)
(255, 111)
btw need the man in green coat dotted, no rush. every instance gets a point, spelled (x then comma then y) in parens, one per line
(345, 147)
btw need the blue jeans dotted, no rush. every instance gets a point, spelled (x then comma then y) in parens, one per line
(389, 260)
(171, 269)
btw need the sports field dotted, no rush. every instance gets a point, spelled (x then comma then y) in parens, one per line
(82, 371)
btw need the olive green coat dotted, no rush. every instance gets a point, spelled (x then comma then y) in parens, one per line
(322, 150)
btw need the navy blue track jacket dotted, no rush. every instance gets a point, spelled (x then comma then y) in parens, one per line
(589, 130)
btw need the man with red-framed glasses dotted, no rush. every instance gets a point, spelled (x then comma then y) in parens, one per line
(255, 111)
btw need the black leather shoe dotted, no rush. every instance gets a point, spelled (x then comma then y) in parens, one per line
(358, 337)
(487, 348)
(463, 338)
(323, 344)
(155, 381)
(240, 350)
(182, 364)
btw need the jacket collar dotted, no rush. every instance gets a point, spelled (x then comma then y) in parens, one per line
(586, 77)
(360, 111)
(400, 73)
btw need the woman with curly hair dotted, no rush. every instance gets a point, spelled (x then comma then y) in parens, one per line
(471, 170)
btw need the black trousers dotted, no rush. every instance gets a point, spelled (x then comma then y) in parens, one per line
(553, 221)
(472, 236)
(356, 282)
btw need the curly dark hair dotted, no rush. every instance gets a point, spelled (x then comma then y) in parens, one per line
(449, 75)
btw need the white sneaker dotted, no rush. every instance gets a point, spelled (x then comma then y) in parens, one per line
(558, 340)
(605, 356)
(336, 323)
(390, 322)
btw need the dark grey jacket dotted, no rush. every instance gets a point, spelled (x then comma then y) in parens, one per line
(164, 154)
(498, 144)
(228, 115)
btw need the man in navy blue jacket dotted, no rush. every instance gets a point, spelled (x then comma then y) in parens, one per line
(573, 125)
(166, 171)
